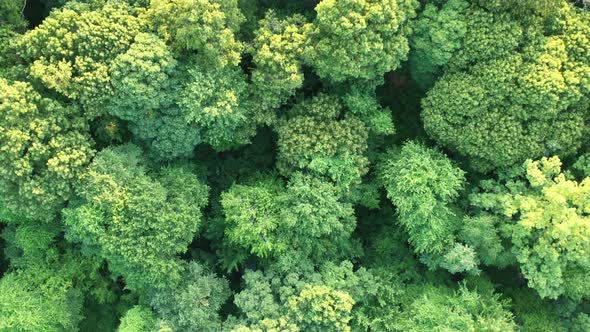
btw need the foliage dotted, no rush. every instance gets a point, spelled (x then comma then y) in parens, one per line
(319, 308)
(195, 303)
(437, 36)
(145, 80)
(44, 148)
(136, 221)
(302, 300)
(277, 52)
(216, 102)
(137, 319)
(521, 99)
(379, 30)
(270, 220)
(422, 183)
(310, 165)
(71, 50)
(549, 237)
(205, 26)
(315, 139)
(437, 309)
(38, 300)
(11, 14)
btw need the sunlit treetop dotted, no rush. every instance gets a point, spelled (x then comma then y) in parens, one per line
(277, 53)
(70, 51)
(442, 309)
(359, 38)
(44, 148)
(549, 236)
(205, 26)
(524, 98)
(316, 138)
(138, 222)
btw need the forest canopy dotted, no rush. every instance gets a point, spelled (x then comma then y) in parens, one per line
(294, 166)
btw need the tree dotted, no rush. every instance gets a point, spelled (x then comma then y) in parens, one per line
(319, 308)
(12, 23)
(38, 300)
(304, 218)
(535, 7)
(70, 51)
(437, 36)
(361, 100)
(137, 319)
(195, 303)
(314, 139)
(11, 14)
(44, 150)
(277, 54)
(523, 98)
(215, 102)
(441, 309)
(379, 30)
(138, 222)
(304, 300)
(542, 213)
(146, 80)
(423, 183)
(205, 26)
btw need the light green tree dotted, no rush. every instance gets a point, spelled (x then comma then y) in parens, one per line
(523, 98)
(38, 300)
(44, 148)
(543, 214)
(442, 309)
(137, 319)
(71, 50)
(205, 26)
(359, 38)
(138, 222)
(277, 53)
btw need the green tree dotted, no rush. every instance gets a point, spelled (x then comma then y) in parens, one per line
(146, 81)
(523, 98)
(205, 26)
(138, 222)
(378, 31)
(441, 309)
(137, 319)
(319, 139)
(12, 23)
(11, 14)
(215, 102)
(543, 214)
(304, 218)
(301, 299)
(70, 51)
(423, 184)
(277, 51)
(195, 303)
(437, 36)
(44, 149)
(38, 300)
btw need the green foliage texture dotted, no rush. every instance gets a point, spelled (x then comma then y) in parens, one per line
(294, 165)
